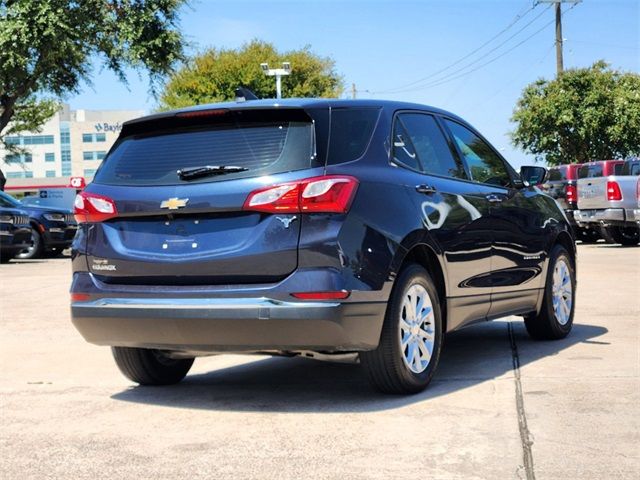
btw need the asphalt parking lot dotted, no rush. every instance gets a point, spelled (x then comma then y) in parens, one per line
(501, 405)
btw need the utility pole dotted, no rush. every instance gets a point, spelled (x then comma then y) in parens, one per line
(559, 60)
(559, 39)
(278, 73)
(353, 91)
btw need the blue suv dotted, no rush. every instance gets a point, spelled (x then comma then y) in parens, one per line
(312, 227)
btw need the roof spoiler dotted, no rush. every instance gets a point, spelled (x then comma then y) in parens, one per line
(243, 94)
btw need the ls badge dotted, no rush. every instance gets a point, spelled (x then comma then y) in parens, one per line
(174, 203)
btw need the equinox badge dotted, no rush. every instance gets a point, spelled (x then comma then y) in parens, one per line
(174, 203)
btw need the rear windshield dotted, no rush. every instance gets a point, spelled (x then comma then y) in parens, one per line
(557, 174)
(263, 148)
(590, 171)
(631, 167)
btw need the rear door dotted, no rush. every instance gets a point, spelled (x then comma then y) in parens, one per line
(173, 230)
(454, 211)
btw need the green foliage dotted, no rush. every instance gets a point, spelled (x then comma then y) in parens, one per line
(47, 46)
(585, 114)
(214, 75)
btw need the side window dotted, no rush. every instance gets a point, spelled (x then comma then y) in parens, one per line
(484, 164)
(418, 137)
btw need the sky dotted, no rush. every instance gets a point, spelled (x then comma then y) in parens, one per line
(428, 51)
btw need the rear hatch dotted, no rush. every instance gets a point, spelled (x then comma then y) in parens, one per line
(175, 229)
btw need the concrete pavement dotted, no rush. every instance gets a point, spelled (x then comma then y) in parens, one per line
(501, 405)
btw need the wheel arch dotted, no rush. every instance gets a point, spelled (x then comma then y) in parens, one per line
(426, 255)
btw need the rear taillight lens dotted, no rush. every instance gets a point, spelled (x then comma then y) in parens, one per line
(326, 194)
(613, 191)
(91, 208)
(571, 193)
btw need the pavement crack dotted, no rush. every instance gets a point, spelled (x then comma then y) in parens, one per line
(525, 435)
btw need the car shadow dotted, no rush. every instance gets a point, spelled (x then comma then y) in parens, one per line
(471, 356)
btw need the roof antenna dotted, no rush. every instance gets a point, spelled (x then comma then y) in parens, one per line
(243, 94)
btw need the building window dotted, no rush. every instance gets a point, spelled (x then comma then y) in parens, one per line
(88, 156)
(15, 174)
(100, 155)
(89, 172)
(66, 169)
(30, 140)
(50, 157)
(65, 137)
(50, 173)
(65, 155)
(87, 137)
(19, 158)
(101, 137)
(28, 174)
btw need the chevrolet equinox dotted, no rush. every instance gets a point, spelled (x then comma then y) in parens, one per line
(312, 227)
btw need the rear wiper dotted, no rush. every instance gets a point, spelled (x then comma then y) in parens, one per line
(207, 170)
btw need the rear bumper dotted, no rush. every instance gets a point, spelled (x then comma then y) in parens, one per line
(608, 216)
(209, 325)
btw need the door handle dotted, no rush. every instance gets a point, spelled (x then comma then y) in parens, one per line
(493, 198)
(425, 188)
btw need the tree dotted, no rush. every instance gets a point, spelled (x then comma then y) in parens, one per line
(48, 46)
(585, 114)
(214, 75)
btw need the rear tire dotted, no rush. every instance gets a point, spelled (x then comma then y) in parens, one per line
(411, 338)
(588, 235)
(150, 367)
(558, 305)
(627, 236)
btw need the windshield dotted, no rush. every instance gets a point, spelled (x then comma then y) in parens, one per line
(8, 201)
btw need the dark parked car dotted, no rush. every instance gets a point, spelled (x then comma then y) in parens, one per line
(52, 230)
(312, 227)
(15, 231)
(562, 185)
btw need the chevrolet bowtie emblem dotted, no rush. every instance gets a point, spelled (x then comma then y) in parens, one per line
(174, 203)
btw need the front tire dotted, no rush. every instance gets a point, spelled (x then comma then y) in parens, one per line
(35, 249)
(411, 338)
(150, 367)
(558, 305)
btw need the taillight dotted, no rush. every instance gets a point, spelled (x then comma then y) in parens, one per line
(571, 194)
(90, 208)
(613, 191)
(326, 194)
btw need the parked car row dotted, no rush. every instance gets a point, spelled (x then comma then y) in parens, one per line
(594, 201)
(30, 231)
(613, 203)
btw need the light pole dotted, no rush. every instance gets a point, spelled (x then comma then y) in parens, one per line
(278, 73)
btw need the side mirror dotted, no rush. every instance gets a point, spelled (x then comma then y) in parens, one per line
(533, 175)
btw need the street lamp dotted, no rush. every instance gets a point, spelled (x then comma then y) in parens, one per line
(278, 73)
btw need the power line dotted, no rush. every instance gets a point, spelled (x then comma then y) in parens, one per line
(449, 79)
(515, 20)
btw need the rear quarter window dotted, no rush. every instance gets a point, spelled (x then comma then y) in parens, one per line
(350, 134)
